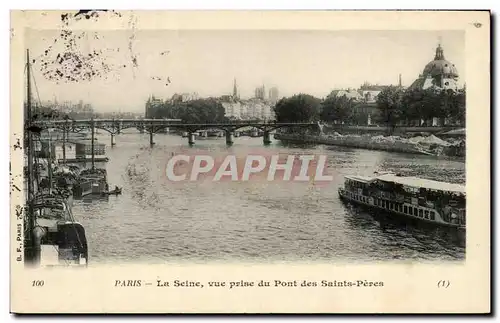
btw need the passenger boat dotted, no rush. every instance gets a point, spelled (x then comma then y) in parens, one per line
(415, 198)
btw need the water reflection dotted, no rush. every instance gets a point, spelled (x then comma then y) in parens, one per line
(156, 220)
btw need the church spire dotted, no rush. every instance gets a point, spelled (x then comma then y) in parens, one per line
(235, 89)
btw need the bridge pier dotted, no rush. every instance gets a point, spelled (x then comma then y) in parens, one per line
(229, 138)
(191, 138)
(113, 140)
(151, 141)
(267, 137)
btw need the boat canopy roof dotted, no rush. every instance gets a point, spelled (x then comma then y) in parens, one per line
(358, 178)
(412, 182)
(423, 183)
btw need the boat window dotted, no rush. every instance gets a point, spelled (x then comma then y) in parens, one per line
(415, 211)
(405, 209)
(420, 213)
(432, 215)
(426, 214)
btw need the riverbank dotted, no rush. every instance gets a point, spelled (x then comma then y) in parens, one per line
(430, 145)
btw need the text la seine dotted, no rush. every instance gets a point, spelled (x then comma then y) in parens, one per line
(241, 283)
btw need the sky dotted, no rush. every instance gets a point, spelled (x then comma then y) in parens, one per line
(208, 61)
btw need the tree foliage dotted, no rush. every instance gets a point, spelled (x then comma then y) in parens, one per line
(196, 111)
(424, 105)
(298, 108)
(336, 108)
(390, 104)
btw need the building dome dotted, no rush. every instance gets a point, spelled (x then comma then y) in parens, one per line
(440, 66)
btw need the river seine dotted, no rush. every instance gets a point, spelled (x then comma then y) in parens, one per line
(157, 221)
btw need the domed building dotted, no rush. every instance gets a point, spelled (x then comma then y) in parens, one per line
(438, 73)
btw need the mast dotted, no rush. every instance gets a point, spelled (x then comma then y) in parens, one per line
(49, 164)
(33, 251)
(92, 142)
(30, 137)
(64, 143)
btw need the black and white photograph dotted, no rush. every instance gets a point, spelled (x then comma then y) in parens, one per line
(195, 145)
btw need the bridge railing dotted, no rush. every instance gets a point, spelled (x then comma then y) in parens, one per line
(166, 122)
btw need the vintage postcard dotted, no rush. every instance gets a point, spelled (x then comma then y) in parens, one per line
(250, 161)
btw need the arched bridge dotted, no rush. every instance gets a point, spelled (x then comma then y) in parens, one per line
(152, 126)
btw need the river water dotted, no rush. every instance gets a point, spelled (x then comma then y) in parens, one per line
(158, 221)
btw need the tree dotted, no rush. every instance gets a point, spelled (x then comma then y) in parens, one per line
(298, 108)
(454, 106)
(390, 104)
(358, 118)
(196, 111)
(200, 111)
(420, 104)
(336, 109)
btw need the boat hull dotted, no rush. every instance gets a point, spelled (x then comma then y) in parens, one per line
(395, 214)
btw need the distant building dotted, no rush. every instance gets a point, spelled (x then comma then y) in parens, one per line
(349, 93)
(83, 148)
(273, 95)
(365, 101)
(438, 73)
(260, 92)
(151, 103)
(248, 109)
(57, 151)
